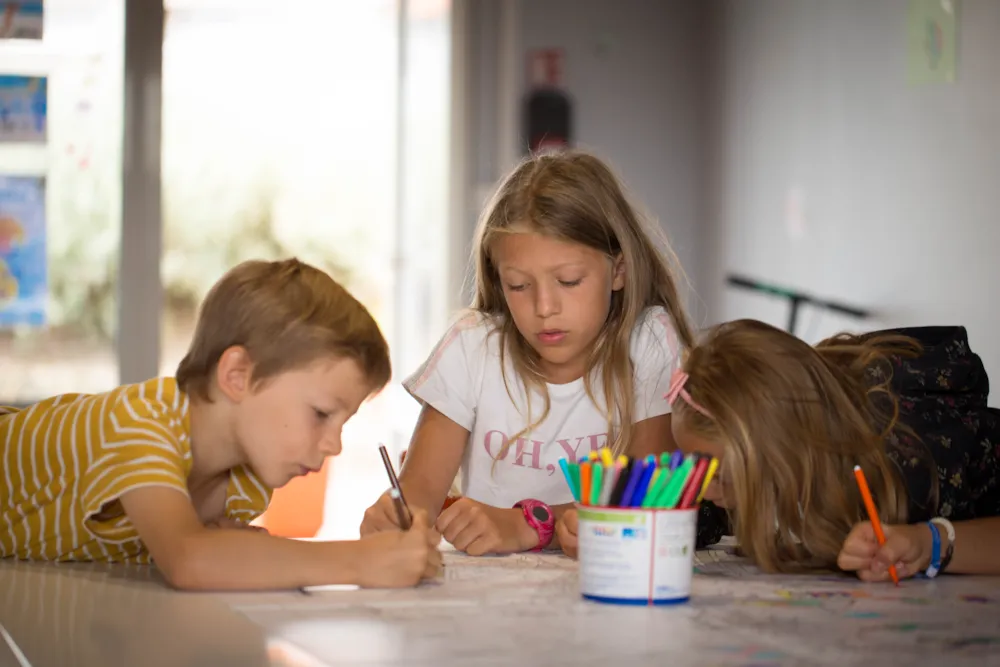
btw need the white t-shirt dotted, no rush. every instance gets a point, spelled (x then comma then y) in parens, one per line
(462, 380)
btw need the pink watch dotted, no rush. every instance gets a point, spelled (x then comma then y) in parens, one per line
(540, 517)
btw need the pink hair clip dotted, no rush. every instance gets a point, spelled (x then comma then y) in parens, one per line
(677, 390)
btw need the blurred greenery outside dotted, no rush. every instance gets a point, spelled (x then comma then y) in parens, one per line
(262, 157)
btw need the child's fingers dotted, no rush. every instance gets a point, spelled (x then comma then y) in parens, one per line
(871, 575)
(860, 549)
(481, 545)
(454, 526)
(567, 539)
(571, 522)
(433, 565)
(449, 515)
(851, 563)
(469, 534)
(898, 549)
(380, 517)
(860, 542)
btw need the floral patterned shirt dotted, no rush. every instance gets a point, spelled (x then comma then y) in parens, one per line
(942, 398)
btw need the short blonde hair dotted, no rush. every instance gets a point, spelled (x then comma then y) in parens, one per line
(287, 314)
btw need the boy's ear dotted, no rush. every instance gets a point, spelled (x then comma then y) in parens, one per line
(618, 273)
(234, 372)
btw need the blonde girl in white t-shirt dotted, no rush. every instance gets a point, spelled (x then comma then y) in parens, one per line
(574, 302)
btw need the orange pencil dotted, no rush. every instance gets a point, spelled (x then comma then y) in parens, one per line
(866, 495)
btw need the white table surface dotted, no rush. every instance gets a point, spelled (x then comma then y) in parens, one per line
(514, 610)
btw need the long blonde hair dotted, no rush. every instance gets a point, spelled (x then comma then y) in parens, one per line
(794, 420)
(573, 196)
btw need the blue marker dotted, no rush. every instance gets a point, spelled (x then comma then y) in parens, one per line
(569, 479)
(643, 486)
(638, 467)
(676, 459)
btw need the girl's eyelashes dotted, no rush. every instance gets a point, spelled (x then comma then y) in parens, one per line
(321, 414)
(520, 287)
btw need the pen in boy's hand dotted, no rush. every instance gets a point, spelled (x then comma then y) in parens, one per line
(393, 480)
(396, 492)
(402, 511)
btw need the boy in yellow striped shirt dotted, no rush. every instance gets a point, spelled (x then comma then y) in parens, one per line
(172, 470)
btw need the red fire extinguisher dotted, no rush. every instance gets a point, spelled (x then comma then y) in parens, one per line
(548, 118)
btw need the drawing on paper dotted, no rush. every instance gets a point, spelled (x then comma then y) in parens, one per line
(737, 616)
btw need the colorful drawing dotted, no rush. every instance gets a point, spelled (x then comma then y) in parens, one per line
(23, 265)
(23, 109)
(21, 20)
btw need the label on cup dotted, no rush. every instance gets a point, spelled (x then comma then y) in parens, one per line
(636, 556)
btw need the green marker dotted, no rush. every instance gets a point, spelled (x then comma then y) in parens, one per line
(672, 492)
(574, 475)
(596, 483)
(647, 500)
(656, 487)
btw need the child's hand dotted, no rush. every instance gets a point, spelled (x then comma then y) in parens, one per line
(906, 547)
(479, 529)
(380, 517)
(400, 559)
(567, 528)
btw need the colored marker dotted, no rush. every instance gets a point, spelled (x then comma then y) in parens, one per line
(672, 492)
(606, 457)
(643, 486)
(694, 484)
(866, 495)
(616, 494)
(656, 489)
(610, 479)
(712, 467)
(585, 482)
(633, 482)
(676, 459)
(658, 472)
(573, 486)
(596, 483)
(574, 473)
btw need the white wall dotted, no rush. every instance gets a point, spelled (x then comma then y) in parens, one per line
(900, 185)
(634, 72)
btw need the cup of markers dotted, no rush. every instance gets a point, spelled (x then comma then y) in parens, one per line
(638, 522)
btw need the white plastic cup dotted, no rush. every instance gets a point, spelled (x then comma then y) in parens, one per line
(636, 556)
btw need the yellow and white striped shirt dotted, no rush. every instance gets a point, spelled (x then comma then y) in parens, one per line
(69, 457)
